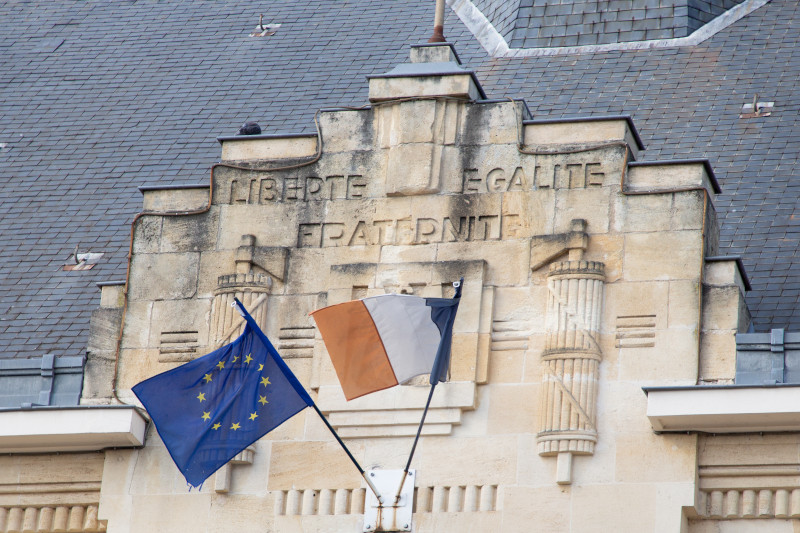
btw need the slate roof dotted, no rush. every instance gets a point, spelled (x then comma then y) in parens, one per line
(97, 98)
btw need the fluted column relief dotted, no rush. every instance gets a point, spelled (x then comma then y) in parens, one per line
(571, 358)
(251, 289)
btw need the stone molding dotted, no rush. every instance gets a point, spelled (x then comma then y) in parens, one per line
(427, 499)
(44, 519)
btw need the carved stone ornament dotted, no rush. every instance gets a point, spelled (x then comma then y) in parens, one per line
(567, 417)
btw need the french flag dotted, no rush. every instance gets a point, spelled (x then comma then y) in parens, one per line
(382, 341)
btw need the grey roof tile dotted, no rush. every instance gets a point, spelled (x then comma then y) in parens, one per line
(132, 97)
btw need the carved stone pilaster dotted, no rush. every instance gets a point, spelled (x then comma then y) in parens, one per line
(251, 289)
(567, 420)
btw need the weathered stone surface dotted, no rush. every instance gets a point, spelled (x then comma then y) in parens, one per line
(576, 296)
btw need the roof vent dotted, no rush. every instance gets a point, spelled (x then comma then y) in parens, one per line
(264, 30)
(83, 261)
(757, 109)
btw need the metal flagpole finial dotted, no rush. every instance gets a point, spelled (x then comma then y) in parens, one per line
(238, 305)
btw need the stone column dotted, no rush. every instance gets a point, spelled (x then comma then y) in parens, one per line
(251, 289)
(570, 359)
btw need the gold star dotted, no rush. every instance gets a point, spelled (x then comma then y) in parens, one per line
(216, 426)
(262, 400)
(235, 426)
(221, 365)
(235, 358)
(260, 368)
(253, 416)
(201, 397)
(265, 381)
(206, 415)
(207, 378)
(248, 359)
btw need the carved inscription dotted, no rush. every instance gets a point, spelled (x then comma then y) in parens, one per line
(539, 174)
(264, 190)
(409, 230)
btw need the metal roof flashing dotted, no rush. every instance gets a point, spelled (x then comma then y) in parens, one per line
(724, 408)
(427, 70)
(71, 429)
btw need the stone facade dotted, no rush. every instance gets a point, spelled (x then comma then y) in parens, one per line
(586, 278)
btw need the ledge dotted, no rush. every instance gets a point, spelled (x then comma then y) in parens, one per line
(600, 118)
(70, 429)
(724, 408)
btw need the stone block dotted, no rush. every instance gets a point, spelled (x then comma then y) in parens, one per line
(161, 512)
(146, 235)
(718, 356)
(179, 316)
(346, 130)
(527, 214)
(546, 507)
(641, 457)
(641, 299)
(164, 276)
(448, 394)
(214, 264)
(192, 198)
(669, 176)
(462, 522)
(339, 472)
(137, 365)
(458, 86)
(591, 205)
(190, 233)
(675, 362)
(721, 308)
(752, 449)
(593, 131)
(246, 148)
(687, 211)
(684, 299)
(137, 324)
(492, 124)
(463, 358)
(513, 268)
(641, 213)
(411, 121)
(118, 466)
(513, 409)
(414, 253)
(435, 465)
(272, 227)
(244, 513)
(662, 256)
(112, 296)
(413, 169)
(507, 366)
(609, 250)
(600, 511)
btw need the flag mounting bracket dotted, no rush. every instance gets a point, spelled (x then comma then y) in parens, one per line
(395, 517)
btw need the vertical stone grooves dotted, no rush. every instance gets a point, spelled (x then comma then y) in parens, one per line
(437, 499)
(571, 358)
(75, 518)
(248, 288)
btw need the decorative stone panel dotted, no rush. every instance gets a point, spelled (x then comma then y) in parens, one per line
(571, 356)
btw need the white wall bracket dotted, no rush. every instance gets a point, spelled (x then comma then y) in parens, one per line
(389, 517)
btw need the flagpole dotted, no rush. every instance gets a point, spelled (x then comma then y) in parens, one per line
(350, 455)
(414, 446)
(436, 376)
(309, 401)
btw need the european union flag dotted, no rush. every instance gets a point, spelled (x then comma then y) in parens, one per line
(212, 408)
